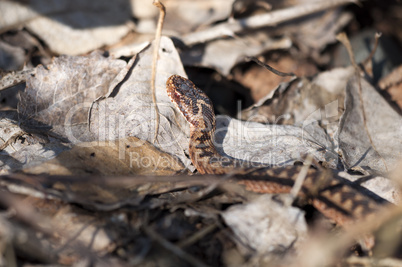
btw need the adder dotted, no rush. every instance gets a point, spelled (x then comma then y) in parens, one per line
(336, 198)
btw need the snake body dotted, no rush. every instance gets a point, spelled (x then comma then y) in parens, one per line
(333, 196)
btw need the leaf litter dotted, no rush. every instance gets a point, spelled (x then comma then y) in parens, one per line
(76, 153)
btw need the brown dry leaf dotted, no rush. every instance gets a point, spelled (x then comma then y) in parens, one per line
(301, 100)
(261, 82)
(69, 27)
(392, 84)
(384, 126)
(110, 193)
(129, 156)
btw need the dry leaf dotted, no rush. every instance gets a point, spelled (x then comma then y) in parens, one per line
(69, 27)
(266, 225)
(384, 125)
(130, 156)
(320, 101)
(315, 32)
(392, 83)
(302, 100)
(129, 110)
(58, 98)
(381, 186)
(88, 230)
(26, 149)
(185, 16)
(274, 145)
(224, 54)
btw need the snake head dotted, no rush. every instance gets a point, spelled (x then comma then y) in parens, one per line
(193, 103)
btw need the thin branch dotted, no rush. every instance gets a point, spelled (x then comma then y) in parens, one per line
(376, 41)
(158, 34)
(271, 69)
(11, 140)
(173, 248)
(197, 236)
(297, 186)
(345, 41)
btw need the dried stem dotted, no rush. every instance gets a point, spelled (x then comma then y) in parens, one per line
(370, 57)
(11, 140)
(271, 69)
(301, 177)
(157, 41)
(345, 41)
(172, 248)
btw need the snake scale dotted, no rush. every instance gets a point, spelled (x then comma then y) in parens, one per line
(336, 198)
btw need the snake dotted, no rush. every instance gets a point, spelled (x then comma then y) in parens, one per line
(338, 199)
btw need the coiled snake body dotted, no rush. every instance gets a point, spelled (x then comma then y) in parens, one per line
(336, 198)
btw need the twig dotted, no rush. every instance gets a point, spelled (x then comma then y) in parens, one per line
(377, 38)
(171, 247)
(301, 177)
(11, 140)
(196, 236)
(158, 34)
(271, 69)
(345, 41)
(270, 19)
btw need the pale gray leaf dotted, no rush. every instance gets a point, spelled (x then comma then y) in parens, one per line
(26, 150)
(267, 225)
(70, 26)
(274, 145)
(58, 97)
(129, 109)
(384, 125)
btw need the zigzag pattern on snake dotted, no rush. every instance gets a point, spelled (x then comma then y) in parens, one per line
(333, 196)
